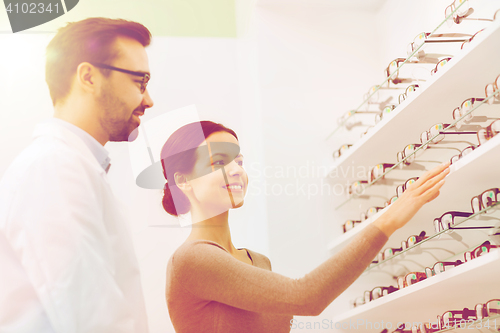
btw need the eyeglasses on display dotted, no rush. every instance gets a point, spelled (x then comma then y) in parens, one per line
(447, 220)
(466, 151)
(486, 199)
(378, 171)
(463, 13)
(410, 279)
(479, 251)
(357, 187)
(464, 110)
(400, 189)
(440, 65)
(388, 109)
(488, 309)
(491, 89)
(405, 244)
(392, 70)
(440, 267)
(349, 224)
(370, 212)
(409, 90)
(377, 292)
(427, 37)
(452, 319)
(145, 76)
(485, 134)
(468, 41)
(337, 153)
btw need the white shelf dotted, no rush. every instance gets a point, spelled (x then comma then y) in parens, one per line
(463, 77)
(465, 180)
(463, 286)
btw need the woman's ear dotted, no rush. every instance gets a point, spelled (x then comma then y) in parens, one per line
(181, 181)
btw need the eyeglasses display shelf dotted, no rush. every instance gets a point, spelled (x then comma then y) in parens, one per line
(463, 286)
(464, 76)
(466, 179)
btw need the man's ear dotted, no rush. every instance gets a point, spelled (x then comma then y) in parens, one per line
(88, 77)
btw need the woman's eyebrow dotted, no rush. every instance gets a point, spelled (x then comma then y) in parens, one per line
(222, 154)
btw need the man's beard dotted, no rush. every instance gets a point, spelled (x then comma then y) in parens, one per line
(118, 129)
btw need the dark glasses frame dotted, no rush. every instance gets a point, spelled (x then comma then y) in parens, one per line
(383, 166)
(431, 271)
(145, 76)
(485, 247)
(346, 229)
(463, 153)
(483, 205)
(485, 310)
(486, 133)
(438, 222)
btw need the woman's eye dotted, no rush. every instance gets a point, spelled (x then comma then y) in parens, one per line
(240, 163)
(220, 162)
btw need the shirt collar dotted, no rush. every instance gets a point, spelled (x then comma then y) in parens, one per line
(98, 150)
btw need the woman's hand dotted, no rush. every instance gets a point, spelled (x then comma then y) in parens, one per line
(424, 190)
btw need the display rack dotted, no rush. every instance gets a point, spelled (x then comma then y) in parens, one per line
(464, 76)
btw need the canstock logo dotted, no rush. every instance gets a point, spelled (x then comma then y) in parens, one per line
(26, 14)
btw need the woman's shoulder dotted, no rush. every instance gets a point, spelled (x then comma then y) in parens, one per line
(204, 251)
(260, 260)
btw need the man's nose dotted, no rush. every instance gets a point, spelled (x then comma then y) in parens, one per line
(148, 101)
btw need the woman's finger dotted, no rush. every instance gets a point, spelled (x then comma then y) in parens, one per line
(432, 173)
(433, 192)
(430, 182)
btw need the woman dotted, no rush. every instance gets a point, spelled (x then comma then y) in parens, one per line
(214, 287)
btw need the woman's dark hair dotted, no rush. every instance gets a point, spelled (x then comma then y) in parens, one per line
(183, 141)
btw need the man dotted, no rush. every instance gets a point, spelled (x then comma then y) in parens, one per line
(66, 254)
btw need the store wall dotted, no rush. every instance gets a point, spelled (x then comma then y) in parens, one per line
(315, 63)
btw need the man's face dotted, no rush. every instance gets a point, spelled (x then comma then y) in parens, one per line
(120, 98)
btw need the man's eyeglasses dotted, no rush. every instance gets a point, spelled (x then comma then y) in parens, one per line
(145, 76)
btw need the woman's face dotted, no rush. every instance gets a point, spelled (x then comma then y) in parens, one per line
(218, 180)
